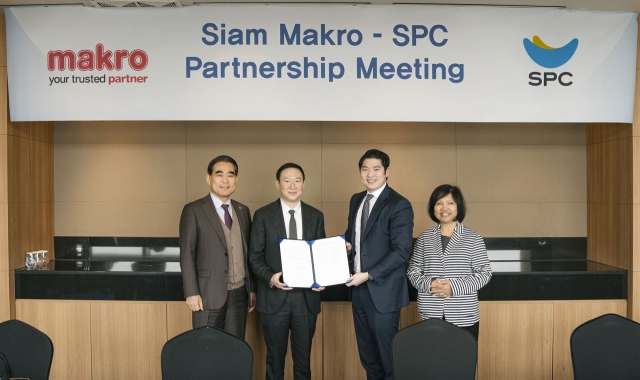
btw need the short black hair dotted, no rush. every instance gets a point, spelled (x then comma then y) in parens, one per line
(222, 159)
(378, 154)
(289, 165)
(441, 192)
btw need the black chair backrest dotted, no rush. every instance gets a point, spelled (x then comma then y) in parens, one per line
(434, 349)
(607, 347)
(28, 350)
(206, 353)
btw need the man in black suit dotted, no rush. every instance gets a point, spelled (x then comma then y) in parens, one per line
(282, 308)
(379, 239)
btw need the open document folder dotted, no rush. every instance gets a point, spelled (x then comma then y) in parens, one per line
(314, 263)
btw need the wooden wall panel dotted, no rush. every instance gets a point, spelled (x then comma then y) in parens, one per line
(21, 181)
(120, 132)
(601, 132)
(178, 319)
(522, 173)
(496, 219)
(516, 341)
(3, 41)
(254, 132)
(341, 358)
(4, 96)
(636, 114)
(67, 323)
(6, 295)
(150, 219)
(610, 173)
(373, 133)
(120, 173)
(4, 170)
(635, 261)
(636, 168)
(127, 340)
(610, 234)
(31, 229)
(36, 131)
(414, 172)
(4, 237)
(520, 134)
(257, 166)
(566, 317)
(423, 156)
(409, 315)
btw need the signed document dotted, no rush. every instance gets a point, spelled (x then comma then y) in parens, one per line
(314, 263)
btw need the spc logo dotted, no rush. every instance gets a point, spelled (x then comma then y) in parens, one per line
(550, 58)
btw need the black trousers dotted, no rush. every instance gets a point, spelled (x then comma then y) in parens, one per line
(374, 334)
(294, 316)
(473, 329)
(231, 317)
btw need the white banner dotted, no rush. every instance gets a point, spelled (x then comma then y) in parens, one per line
(321, 62)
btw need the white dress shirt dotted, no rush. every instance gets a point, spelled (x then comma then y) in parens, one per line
(372, 201)
(217, 203)
(287, 217)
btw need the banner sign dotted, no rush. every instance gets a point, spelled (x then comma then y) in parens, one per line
(321, 62)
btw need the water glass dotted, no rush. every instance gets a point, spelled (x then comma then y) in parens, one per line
(44, 258)
(31, 261)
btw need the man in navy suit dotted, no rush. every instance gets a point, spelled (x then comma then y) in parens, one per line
(379, 239)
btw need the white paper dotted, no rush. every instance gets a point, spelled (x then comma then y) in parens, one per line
(330, 261)
(297, 271)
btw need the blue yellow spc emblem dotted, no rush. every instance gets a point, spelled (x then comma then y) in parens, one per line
(547, 56)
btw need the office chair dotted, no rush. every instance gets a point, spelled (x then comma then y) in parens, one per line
(607, 347)
(434, 349)
(28, 351)
(206, 353)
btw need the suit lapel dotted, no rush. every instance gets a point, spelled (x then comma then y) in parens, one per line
(377, 207)
(307, 223)
(277, 218)
(354, 212)
(455, 237)
(240, 215)
(214, 219)
(438, 238)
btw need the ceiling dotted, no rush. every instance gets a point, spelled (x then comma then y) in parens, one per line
(605, 5)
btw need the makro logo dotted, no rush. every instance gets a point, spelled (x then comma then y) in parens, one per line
(549, 58)
(97, 59)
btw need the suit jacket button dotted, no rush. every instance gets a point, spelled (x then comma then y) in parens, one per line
(226, 271)
(226, 254)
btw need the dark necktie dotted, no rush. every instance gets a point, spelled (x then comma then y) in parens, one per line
(293, 230)
(227, 217)
(365, 217)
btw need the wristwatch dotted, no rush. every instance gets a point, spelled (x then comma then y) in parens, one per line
(370, 278)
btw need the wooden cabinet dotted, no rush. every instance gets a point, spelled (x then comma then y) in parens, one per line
(68, 325)
(124, 339)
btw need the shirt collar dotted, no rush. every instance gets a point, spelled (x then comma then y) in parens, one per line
(377, 193)
(218, 203)
(285, 208)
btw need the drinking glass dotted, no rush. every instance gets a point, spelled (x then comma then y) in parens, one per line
(31, 261)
